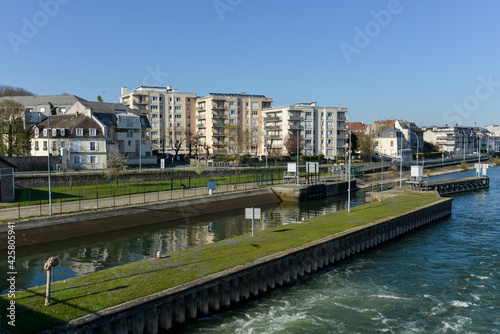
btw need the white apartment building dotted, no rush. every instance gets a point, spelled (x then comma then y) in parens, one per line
(231, 124)
(453, 139)
(322, 129)
(169, 111)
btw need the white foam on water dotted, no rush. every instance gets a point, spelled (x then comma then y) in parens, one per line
(458, 303)
(390, 297)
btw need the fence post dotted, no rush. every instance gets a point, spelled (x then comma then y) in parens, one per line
(128, 196)
(19, 210)
(171, 187)
(40, 207)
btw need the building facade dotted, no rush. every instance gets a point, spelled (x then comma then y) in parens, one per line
(170, 113)
(453, 139)
(231, 124)
(393, 144)
(80, 141)
(321, 129)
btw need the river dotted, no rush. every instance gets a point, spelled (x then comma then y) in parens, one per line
(441, 279)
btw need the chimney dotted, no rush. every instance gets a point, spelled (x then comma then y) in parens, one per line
(124, 90)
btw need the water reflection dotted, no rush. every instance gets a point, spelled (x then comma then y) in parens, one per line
(80, 256)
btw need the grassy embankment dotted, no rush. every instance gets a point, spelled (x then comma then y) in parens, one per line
(37, 196)
(82, 295)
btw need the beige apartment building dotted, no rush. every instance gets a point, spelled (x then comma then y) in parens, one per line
(231, 124)
(170, 114)
(322, 129)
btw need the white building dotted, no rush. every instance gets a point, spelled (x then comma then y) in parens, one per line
(170, 113)
(392, 143)
(79, 139)
(453, 139)
(322, 129)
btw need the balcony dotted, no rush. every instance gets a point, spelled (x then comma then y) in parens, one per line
(272, 119)
(219, 144)
(200, 108)
(220, 152)
(274, 137)
(200, 125)
(296, 127)
(140, 101)
(219, 115)
(218, 125)
(273, 127)
(295, 118)
(220, 106)
(218, 134)
(201, 116)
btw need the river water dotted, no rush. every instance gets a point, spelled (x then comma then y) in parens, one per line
(440, 279)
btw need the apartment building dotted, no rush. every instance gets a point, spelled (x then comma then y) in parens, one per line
(321, 129)
(231, 124)
(453, 139)
(170, 114)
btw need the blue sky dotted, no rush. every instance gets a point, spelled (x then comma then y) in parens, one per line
(429, 62)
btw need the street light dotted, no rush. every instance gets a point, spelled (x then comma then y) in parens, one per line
(48, 164)
(349, 172)
(298, 135)
(140, 145)
(401, 160)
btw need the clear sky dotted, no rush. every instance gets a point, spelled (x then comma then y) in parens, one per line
(431, 62)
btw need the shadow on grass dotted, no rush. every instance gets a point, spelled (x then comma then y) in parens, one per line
(283, 230)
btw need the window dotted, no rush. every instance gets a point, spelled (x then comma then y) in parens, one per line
(255, 113)
(154, 115)
(93, 159)
(154, 142)
(255, 105)
(178, 125)
(177, 108)
(232, 104)
(37, 132)
(154, 98)
(62, 144)
(154, 133)
(329, 124)
(178, 116)
(392, 143)
(92, 132)
(177, 99)
(308, 113)
(54, 145)
(63, 132)
(93, 146)
(154, 107)
(42, 109)
(62, 110)
(45, 145)
(329, 114)
(77, 159)
(79, 132)
(45, 131)
(36, 146)
(308, 132)
(308, 123)
(154, 125)
(129, 143)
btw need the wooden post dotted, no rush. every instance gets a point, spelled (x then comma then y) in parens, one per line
(47, 290)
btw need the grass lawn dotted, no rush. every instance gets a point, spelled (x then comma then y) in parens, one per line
(36, 196)
(79, 296)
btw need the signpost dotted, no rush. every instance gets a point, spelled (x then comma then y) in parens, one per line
(252, 213)
(211, 185)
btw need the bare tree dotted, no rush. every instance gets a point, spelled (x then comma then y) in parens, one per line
(207, 150)
(275, 153)
(6, 90)
(255, 138)
(235, 136)
(291, 144)
(115, 164)
(366, 145)
(191, 140)
(175, 139)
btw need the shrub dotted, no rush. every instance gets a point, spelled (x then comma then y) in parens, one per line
(463, 166)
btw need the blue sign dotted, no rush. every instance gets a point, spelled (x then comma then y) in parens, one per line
(212, 185)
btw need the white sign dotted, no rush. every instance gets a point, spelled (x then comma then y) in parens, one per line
(252, 213)
(162, 162)
(417, 171)
(312, 167)
(292, 167)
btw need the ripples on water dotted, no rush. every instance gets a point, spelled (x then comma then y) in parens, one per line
(440, 279)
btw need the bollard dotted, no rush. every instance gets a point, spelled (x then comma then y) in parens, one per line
(49, 266)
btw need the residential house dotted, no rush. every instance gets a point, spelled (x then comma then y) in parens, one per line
(79, 139)
(392, 143)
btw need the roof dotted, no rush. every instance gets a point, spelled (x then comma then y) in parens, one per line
(71, 122)
(356, 126)
(241, 95)
(8, 163)
(387, 133)
(45, 99)
(106, 112)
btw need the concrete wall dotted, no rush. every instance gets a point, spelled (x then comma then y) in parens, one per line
(81, 224)
(173, 308)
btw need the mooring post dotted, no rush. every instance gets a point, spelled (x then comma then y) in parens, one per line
(48, 266)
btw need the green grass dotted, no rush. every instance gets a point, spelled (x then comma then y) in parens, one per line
(90, 293)
(36, 196)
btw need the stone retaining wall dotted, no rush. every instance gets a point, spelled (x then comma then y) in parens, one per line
(170, 309)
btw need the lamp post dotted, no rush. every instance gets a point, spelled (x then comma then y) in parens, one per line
(349, 172)
(48, 165)
(298, 135)
(265, 139)
(401, 160)
(140, 145)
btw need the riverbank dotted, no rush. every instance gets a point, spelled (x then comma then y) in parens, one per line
(95, 292)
